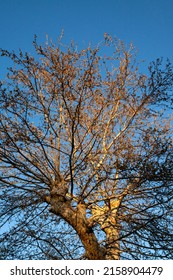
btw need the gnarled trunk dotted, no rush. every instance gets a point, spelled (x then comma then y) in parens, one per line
(77, 219)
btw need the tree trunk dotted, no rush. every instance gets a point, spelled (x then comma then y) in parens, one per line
(112, 243)
(105, 216)
(77, 219)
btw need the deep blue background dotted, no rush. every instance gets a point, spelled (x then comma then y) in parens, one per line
(148, 24)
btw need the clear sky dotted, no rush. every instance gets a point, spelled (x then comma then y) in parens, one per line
(146, 23)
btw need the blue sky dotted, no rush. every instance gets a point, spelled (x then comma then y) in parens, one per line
(146, 23)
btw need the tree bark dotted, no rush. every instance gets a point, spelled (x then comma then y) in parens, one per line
(76, 217)
(112, 235)
(105, 216)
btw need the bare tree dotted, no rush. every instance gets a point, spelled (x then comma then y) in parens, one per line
(86, 155)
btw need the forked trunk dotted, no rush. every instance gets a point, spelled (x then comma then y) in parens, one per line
(76, 217)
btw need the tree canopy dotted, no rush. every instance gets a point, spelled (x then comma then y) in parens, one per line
(86, 154)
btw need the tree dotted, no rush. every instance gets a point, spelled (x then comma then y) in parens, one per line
(86, 154)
